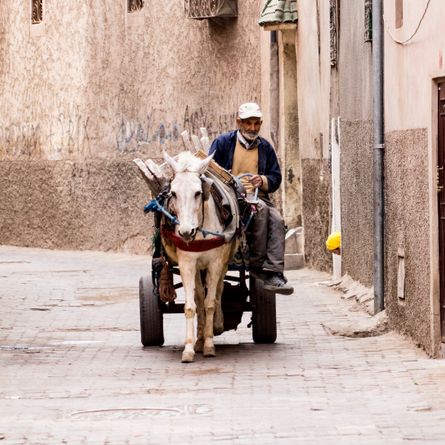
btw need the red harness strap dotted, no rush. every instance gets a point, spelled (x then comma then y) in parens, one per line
(193, 246)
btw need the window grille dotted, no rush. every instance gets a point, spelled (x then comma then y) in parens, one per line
(37, 12)
(333, 12)
(208, 9)
(135, 5)
(368, 21)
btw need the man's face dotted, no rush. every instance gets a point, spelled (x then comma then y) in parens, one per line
(249, 127)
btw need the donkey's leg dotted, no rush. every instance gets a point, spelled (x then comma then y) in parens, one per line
(199, 300)
(218, 320)
(187, 268)
(213, 275)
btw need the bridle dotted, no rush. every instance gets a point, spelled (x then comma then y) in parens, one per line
(160, 203)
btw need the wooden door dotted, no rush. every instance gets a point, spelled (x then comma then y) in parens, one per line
(441, 201)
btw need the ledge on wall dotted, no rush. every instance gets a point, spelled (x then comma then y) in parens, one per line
(280, 27)
(279, 15)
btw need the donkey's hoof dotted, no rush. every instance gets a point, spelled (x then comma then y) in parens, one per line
(199, 345)
(209, 351)
(218, 323)
(188, 356)
(218, 329)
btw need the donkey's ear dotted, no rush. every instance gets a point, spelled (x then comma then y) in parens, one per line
(206, 187)
(205, 163)
(170, 161)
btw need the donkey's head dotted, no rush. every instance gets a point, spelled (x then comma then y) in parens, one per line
(187, 192)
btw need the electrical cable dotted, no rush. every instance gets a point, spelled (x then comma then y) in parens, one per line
(403, 42)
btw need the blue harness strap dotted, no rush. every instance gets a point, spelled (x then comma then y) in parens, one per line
(155, 206)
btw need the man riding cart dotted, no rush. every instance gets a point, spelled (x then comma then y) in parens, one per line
(249, 156)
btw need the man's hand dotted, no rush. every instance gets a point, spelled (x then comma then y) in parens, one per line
(256, 181)
(250, 183)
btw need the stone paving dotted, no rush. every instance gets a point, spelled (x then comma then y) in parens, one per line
(73, 370)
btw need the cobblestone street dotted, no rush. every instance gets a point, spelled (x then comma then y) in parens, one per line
(73, 369)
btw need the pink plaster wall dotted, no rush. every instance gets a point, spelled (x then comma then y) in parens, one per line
(95, 84)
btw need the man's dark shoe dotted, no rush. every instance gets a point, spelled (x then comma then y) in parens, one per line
(276, 282)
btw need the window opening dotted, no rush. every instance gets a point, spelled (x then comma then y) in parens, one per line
(37, 12)
(399, 13)
(135, 5)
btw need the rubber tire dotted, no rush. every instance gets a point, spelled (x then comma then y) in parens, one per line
(152, 322)
(264, 313)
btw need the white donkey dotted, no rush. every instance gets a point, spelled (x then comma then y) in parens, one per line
(196, 213)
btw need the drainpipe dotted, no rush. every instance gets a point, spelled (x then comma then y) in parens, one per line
(379, 146)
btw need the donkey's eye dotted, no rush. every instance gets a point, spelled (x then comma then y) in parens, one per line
(173, 194)
(198, 194)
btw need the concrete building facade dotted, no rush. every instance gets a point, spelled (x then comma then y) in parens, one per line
(86, 87)
(334, 78)
(414, 68)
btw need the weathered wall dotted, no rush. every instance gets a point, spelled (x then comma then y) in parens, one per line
(354, 64)
(357, 200)
(67, 204)
(341, 91)
(356, 144)
(409, 154)
(316, 205)
(313, 74)
(413, 65)
(289, 143)
(97, 84)
(406, 222)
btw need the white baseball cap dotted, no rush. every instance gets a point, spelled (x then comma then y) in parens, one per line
(250, 109)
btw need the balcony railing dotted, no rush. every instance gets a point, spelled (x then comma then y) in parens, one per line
(210, 9)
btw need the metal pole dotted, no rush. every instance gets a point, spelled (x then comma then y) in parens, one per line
(379, 145)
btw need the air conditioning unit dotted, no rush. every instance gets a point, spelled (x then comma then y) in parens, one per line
(210, 9)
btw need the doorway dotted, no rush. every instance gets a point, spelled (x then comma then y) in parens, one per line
(440, 183)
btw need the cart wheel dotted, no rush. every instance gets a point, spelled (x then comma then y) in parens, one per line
(152, 323)
(264, 313)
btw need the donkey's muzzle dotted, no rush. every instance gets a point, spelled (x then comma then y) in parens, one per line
(188, 235)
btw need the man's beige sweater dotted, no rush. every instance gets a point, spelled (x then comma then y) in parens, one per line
(246, 161)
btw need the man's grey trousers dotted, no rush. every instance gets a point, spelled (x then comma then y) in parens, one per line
(267, 238)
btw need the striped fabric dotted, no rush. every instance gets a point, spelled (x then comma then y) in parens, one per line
(279, 11)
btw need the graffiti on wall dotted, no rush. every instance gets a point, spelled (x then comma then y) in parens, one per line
(134, 133)
(20, 140)
(64, 137)
(70, 134)
(194, 120)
